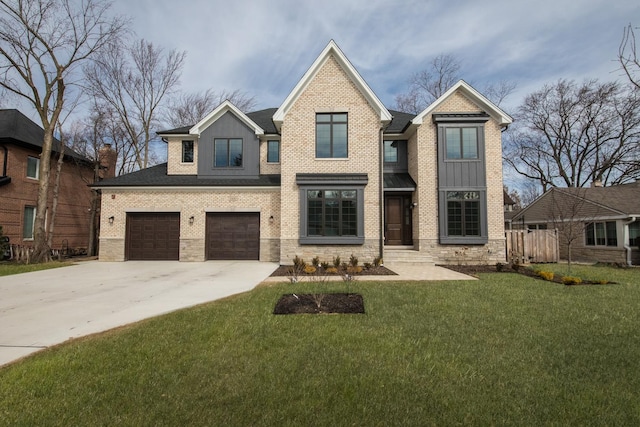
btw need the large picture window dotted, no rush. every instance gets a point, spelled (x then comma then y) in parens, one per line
(227, 152)
(601, 234)
(461, 143)
(463, 213)
(331, 135)
(332, 213)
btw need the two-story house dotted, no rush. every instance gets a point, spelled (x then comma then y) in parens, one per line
(20, 148)
(330, 172)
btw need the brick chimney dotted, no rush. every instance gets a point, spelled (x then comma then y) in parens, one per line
(107, 158)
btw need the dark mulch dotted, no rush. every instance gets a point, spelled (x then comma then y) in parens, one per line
(319, 304)
(373, 271)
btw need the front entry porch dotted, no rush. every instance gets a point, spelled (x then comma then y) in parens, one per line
(398, 229)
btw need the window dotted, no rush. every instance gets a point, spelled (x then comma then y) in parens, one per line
(461, 143)
(332, 213)
(601, 234)
(391, 151)
(187, 151)
(273, 151)
(463, 213)
(227, 152)
(33, 167)
(29, 222)
(331, 135)
(634, 234)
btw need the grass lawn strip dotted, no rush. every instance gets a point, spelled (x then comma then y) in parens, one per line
(503, 350)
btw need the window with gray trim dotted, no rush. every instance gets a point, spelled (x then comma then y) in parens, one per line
(463, 213)
(461, 143)
(601, 234)
(227, 152)
(187, 151)
(273, 151)
(332, 213)
(331, 135)
(33, 167)
(391, 151)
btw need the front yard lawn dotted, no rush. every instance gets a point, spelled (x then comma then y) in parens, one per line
(9, 267)
(506, 349)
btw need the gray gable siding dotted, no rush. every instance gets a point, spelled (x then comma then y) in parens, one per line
(229, 126)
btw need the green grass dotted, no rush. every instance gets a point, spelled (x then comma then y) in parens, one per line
(593, 272)
(506, 349)
(8, 268)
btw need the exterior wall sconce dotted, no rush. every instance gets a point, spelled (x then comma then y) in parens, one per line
(414, 205)
(271, 219)
(111, 219)
(191, 219)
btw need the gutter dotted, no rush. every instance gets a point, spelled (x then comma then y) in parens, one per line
(626, 238)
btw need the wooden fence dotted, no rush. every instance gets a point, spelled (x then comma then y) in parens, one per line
(532, 246)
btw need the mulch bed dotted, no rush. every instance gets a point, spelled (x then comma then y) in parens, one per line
(320, 304)
(373, 271)
(473, 270)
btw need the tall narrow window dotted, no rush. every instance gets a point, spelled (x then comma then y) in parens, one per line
(33, 167)
(463, 213)
(273, 151)
(187, 151)
(461, 143)
(29, 222)
(391, 151)
(228, 152)
(331, 135)
(634, 234)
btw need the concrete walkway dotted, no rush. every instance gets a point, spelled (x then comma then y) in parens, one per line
(48, 307)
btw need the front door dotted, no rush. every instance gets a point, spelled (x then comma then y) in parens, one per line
(397, 220)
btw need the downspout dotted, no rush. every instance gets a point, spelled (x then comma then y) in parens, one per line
(625, 232)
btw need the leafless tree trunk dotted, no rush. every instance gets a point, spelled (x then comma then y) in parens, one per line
(41, 44)
(133, 82)
(56, 192)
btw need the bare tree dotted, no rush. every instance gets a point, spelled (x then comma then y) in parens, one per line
(189, 108)
(628, 56)
(133, 82)
(42, 42)
(443, 72)
(571, 135)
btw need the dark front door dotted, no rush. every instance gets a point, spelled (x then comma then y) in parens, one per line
(397, 217)
(233, 235)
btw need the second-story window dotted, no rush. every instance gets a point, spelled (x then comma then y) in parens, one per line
(331, 135)
(273, 151)
(187, 151)
(461, 143)
(391, 151)
(227, 152)
(33, 167)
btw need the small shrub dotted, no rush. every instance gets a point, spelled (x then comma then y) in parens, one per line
(324, 265)
(353, 260)
(603, 282)
(309, 269)
(331, 270)
(315, 262)
(336, 262)
(570, 280)
(377, 261)
(546, 275)
(499, 267)
(344, 266)
(367, 265)
(354, 269)
(299, 262)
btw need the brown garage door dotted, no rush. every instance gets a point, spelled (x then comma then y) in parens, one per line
(233, 235)
(153, 236)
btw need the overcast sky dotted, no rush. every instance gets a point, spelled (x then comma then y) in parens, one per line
(264, 47)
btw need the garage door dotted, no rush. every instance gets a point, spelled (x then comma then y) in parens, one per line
(233, 235)
(153, 236)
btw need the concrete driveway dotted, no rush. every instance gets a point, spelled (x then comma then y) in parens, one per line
(48, 307)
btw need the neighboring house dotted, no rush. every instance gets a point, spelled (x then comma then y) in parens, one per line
(20, 148)
(330, 172)
(603, 223)
(511, 208)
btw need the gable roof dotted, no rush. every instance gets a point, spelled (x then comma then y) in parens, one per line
(616, 200)
(480, 100)
(17, 128)
(218, 112)
(330, 50)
